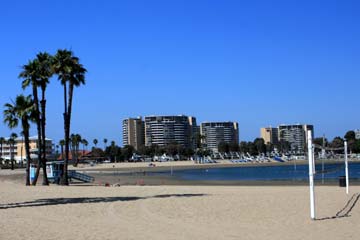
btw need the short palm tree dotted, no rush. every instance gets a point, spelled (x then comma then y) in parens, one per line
(22, 110)
(105, 142)
(95, 141)
(62, 143)
(84, 142)
(75, 142)
(11, 142)
(71, 74)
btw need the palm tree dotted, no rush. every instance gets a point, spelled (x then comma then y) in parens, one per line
(71, 74)
(22, 110)
(105, 142)
(95, 141)
(31, 75)
(11, 143)
(84, 142)
(45, 72)
(2, 141)
(62, 143)
(75, 142)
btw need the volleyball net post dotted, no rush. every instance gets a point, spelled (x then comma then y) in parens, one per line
(311, 174)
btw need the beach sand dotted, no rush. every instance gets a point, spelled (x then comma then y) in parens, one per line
(176, 212)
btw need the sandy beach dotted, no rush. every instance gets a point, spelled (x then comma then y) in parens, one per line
(176, 212)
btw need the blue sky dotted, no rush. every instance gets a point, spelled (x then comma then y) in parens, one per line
(259, 63)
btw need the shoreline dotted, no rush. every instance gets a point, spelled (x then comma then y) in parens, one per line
(184, 165)
(128, 174)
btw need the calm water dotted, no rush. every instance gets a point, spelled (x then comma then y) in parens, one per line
(285, 172)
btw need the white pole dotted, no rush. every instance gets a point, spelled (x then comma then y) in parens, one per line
(346, 168)
(311, 176)
(313, 158)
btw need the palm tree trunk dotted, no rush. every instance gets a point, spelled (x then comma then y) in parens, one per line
(67, 126)
(77, 154)
(43, 140)
(72, 149)
(62, 152)
(27, 150)
(12, 156)
(38, 126)
(64, 178)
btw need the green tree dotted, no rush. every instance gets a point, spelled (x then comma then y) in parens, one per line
(71, 74)
(260, 145)
(234, 147)
(127, 152)
(252, 148)
(350, 135)
(351, 140)
(171, 148)
(337, 142)
(22, 110)
(113, 151)
(269, 147)
(95, 141)
(244, 148)
(356, 148)
(285, 146)
(223, 147)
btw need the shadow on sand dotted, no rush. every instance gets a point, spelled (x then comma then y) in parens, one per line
(346, 210)
(61, 201)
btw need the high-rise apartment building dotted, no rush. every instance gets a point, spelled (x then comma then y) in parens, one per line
(133, 132)
(296, 136)
(216, 132)
(270, 135)
(163, 130)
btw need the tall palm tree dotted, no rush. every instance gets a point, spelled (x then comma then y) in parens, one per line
(22, 110)
(71, 74)
(95, 141)
(2, 141)
(31, 76)
(45, 72)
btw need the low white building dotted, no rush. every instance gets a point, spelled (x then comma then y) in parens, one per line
(18, 150)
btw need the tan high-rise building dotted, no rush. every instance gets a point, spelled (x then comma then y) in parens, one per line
(270, 135)
(134, 132)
